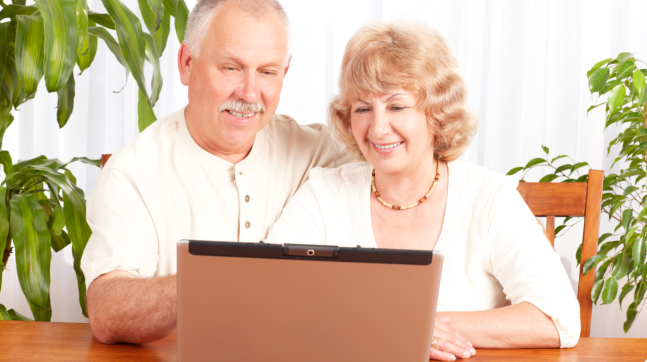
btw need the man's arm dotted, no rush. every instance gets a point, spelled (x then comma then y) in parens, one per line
(125, 308)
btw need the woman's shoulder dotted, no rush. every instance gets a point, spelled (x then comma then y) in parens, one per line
(479, 179)
(347, 175)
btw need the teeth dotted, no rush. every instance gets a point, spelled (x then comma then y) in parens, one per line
(241, 115)
(387, 146)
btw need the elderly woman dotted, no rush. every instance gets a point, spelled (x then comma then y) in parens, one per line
(402, 111)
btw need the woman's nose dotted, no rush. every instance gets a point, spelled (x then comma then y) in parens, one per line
(380, 126)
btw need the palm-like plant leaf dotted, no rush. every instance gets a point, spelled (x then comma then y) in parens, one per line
(102, 19)
(4, 228)
(181, 18)
(83, 60)
(3, 45)
(12, 10)
(65, 102)
(112, 44)
(145, 114)
(153, 57)
(29, 51)
(82, 26)
(33, 252)
(161, 35)
(131, 39)
(61, 41)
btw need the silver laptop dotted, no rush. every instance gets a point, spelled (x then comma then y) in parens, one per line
(268, 302)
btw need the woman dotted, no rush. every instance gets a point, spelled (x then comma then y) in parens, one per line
(402, 110)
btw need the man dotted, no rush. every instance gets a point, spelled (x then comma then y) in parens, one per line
(221, 169)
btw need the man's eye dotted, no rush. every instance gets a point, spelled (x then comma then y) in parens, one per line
(231, 69)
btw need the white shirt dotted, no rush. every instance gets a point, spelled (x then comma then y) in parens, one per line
(495, 251)
(162, 187)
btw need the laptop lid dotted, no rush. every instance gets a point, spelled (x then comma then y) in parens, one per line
(270, 302)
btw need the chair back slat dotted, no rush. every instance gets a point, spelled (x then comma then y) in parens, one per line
(574, 199)
(104, 158)
(560, 199)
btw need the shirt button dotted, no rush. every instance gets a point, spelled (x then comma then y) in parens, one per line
(240, 173)
(248, 224)
(246, 198)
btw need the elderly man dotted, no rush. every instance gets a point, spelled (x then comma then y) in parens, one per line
(220, 169)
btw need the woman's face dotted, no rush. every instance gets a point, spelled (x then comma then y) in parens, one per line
(392, 132)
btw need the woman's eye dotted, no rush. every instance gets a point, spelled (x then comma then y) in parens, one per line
(397, 108)
(362, 110)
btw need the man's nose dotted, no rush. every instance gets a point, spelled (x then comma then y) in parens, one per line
(248, 89)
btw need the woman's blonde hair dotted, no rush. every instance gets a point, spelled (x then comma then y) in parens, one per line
(383, 57)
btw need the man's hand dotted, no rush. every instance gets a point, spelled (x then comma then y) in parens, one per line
(124, 308)
(449, 343)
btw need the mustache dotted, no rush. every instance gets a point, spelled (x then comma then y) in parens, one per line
(242, 106)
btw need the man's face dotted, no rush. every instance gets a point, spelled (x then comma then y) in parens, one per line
(242, 61)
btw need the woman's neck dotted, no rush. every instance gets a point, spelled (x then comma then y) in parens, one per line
(408, 186)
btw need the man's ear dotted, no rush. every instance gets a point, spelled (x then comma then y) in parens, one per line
(184, 62)
(287, 66)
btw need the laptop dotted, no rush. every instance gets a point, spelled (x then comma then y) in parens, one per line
(269, 302)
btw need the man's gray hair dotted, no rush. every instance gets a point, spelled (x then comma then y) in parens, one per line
(200, 17)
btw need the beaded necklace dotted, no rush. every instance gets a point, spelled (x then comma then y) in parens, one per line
(431, 190)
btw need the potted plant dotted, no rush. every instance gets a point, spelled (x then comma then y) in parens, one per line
(41, 207)
(620, 85)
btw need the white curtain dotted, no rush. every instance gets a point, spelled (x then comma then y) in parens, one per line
(525, 64)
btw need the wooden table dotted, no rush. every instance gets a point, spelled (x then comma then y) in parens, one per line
(39, 341)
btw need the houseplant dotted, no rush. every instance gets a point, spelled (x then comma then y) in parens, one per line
(620, 87)
(42, 209)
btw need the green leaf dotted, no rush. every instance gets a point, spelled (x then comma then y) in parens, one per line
(514, 170)
(56, 221)
(131, 39)
(559, 228)
(546, 149)
(632, 312)
(557, 158)
(639, 81)
(602, 268)
(11, 10)
(4, 315)
(18, 317)
(630, 236)
(33, 252)
(87, 161)
(102, 19)
(7, 164)
(577, 166)
(535, 161)
(563, 168)
(83, 60)
(593, 107)
(625, 290)
(597, 66)
(112, 44)
(638, 252)
(548, 178)
(597, 289)
(629, 190)
(161, 35)
(624, 56)
(152, 16)
(145, 113)
(620, 269)
(4, 227)
(60, 242)
(153, 57)
(70, 176)
(625, 69)
(181, 18)
(61, 41)
(170, 6)
(4, 27)
(578, 254)
(592, 261)
(65, 102)
(11, 85)
(82, 26)
(598, 79)
(610, 290)
(617, 97)
(29, 51)
(627, 218)
(79, 232)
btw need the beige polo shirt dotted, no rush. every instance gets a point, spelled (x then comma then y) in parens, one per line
(162, 187)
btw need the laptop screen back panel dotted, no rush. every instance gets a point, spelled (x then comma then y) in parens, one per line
(269, 309)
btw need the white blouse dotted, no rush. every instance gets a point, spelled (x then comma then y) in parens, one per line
(495, 251)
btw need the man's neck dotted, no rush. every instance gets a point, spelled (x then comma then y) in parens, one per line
(230, 154)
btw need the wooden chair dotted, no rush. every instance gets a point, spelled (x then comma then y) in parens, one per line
(550, 200)
(577, 199)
